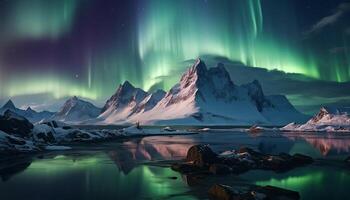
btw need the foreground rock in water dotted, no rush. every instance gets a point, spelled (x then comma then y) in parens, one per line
(201, 159)
(201, 156)
(224, 192)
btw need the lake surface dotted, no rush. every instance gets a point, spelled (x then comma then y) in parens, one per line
(132, 169)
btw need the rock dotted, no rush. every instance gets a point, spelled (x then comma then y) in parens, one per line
(276, 163)
(278, 193)
(347, 160)
(299, 159)
(46, 137)
(221, 192)
(240, 168)
(219, 169)
(14, 124)
(254, 154)
(224, 192)
(15, 141)
(77, 136)
(185, 168)
(201, 155)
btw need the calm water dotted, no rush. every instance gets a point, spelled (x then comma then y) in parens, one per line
(130, 169)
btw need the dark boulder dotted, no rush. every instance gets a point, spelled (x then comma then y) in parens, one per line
(14, 124)
(300, 159)
(78, 136)
(221, 192)
(185, 168)
(219, 169)
(46, 137)
(224, 192)
(347, 160)
(201, 156)
(276, 193)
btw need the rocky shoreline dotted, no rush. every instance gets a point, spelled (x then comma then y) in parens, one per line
(202, 161)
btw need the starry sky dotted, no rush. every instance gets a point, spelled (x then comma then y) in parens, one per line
(59, 48)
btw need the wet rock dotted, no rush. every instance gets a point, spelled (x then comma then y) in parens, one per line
(299, 159)
(201, 156)
(15, 141)
(185, 168)
(219, 169)
(14, 124)
(239, 169)
(224, 192)
(221, 192)
(275, 193)
(77, 136)
(276, 163)
(347, 160)
(46, 137)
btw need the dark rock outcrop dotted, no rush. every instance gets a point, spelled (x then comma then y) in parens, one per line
(224, 192)
(201, 159)
(201, 156)
(14, 124)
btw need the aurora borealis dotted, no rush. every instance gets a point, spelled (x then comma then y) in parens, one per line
(88, 47)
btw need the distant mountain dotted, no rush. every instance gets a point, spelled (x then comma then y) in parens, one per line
(203, 96)
(327, 119)
(32, 115)
(76, 110)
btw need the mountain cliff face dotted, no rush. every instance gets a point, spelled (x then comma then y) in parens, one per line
(76, 110)
(32, 115)
(203, 96)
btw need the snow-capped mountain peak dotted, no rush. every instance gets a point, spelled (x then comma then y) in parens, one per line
(125, 94)
(202, 95)
(75, 109)
(327, 119)
(29, 113)
(9, 105)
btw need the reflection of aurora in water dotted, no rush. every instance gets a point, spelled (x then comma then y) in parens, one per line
(312, 182)
(92, 176)
(118, 170)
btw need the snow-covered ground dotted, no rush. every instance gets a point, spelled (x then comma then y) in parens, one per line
(327, 120)
(51, 135)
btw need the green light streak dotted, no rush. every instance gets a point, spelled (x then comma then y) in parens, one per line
(172, 31)
(38, 19)
(57, 87)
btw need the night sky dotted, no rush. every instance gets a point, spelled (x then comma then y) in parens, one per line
(61, 48)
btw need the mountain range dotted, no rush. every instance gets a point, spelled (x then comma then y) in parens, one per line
(202, 96)
(29, 113)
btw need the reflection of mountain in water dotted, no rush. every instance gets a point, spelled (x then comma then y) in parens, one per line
(327, 145)
(275, 145)
(13, 166)
(147, 149)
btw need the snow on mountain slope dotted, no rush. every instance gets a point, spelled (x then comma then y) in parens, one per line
(326, 120)
(32, 115)
(203, 96)
(281, 111)
(76, 110)
(122, 104)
